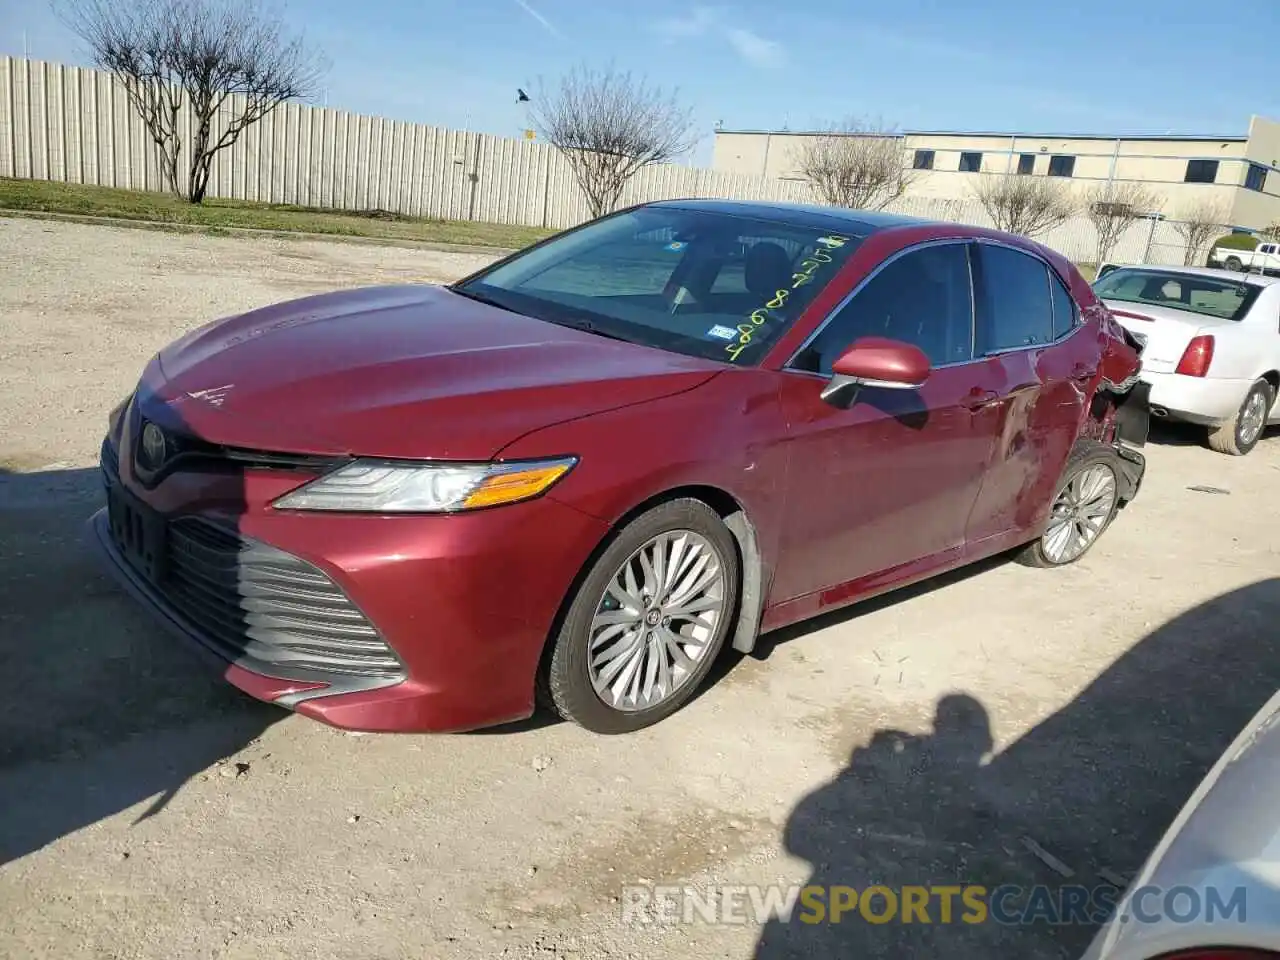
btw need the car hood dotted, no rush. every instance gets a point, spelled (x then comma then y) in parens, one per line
(412, 371)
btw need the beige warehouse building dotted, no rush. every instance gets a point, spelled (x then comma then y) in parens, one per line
(1242, 173)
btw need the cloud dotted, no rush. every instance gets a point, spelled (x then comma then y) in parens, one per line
(755, 49)
(702, 20)
(717, 22)
(546, 24)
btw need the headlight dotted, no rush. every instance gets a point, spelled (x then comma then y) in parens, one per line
(379, 486)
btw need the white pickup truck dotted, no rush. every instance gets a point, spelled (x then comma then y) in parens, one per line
(1265, 259)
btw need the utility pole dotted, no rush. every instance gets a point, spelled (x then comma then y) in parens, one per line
(1151, 235)
(1115, 158)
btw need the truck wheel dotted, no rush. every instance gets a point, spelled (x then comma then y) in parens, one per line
(1233, 263)
(1242, 432)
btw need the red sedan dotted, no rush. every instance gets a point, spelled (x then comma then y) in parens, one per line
(581, 472)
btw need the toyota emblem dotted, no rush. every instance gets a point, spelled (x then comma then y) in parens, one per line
(153, 446)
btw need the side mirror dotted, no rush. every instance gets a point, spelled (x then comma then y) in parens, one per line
(878, 362)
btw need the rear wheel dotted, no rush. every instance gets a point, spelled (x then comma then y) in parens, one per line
(1233, 263)
(1242, 432)
(1084, 505)
(644, 627)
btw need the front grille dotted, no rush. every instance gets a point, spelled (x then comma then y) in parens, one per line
(182, 451)
(250, 599)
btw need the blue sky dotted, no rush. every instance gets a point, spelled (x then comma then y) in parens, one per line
(1132, 66)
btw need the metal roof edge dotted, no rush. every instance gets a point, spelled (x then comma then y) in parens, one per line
(1190, 137)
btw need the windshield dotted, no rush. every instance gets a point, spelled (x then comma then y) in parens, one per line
(706, 284)
(1207, 296)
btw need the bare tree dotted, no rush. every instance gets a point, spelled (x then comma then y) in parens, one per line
(1025, 205)
(229, 62)
(856, 165)
(1113, 207)
(1197, 223)
(1271, 233)
(608, 125)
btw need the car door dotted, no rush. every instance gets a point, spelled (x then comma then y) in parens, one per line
(886, 482)
(1039, 362)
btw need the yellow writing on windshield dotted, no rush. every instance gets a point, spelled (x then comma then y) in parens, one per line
(805, 271)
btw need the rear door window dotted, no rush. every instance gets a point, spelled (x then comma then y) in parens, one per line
(1065, 313)
(1015, 305)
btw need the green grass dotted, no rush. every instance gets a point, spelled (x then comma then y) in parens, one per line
(43, 196)
(1088, 270)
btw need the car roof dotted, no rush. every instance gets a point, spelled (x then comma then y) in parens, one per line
(1217, 273)
(826, 218)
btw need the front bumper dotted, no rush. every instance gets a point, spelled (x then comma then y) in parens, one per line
(440, 621)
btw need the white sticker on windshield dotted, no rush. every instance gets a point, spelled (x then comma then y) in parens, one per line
(722, 333)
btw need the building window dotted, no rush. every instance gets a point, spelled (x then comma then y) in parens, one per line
(1256, 178)
(1201, 171)
(924, 160)
(1026, 163)
(1062, 166)
(970, 162)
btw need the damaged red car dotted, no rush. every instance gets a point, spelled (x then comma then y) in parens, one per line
(579, 474)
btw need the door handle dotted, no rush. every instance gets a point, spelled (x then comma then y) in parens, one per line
(977, 398)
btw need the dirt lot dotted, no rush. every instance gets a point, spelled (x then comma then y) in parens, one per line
(149, 811)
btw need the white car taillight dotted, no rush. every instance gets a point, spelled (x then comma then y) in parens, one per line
(1197, 357)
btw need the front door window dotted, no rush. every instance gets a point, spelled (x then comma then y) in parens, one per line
(923, 298)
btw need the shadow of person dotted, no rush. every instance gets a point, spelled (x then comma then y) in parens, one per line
(1079, 800)
(902, 813)
(100, 709)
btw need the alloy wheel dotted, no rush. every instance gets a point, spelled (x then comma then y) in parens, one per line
(1079, 513)
(1253, 417)
(656, 620)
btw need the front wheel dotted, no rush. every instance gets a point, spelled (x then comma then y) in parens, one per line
(1242, 432)
(1084, 505)
(648, 620)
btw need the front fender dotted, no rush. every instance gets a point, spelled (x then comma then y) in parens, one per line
(727, 433)
(724, 440)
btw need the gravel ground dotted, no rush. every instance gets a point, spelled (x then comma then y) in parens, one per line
(978, 729)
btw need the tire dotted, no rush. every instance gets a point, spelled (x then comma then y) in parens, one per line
(1241, 433)
(1087, 456)
(1233, 263)
(567, 679)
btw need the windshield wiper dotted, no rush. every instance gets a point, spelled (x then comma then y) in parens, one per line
(482, 298)
(589, 326)
(560, 314)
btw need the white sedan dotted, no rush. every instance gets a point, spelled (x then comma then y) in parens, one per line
(1211, 345)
